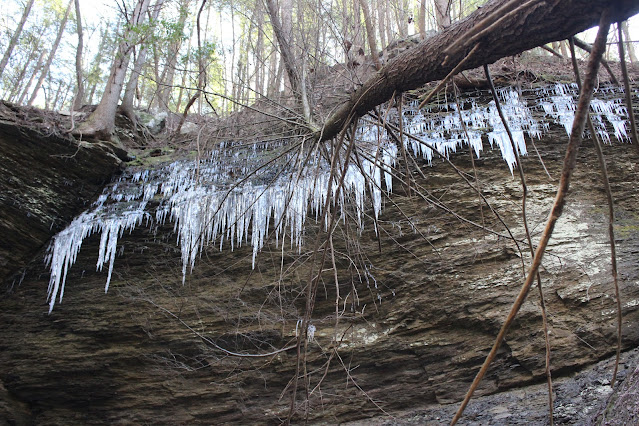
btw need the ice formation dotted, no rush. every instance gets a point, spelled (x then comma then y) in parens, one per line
(207, 203)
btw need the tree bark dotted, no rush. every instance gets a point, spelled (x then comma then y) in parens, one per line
(47, 65)
(442, 13)
(291, 66)
(421, 19)
(16, 36)
(519, 27)
(630, 47)
(132, 84)
(101, 123)
(370, 33)
(79, 96)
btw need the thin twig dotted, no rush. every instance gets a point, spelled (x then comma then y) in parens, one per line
(215, 345)
(553, 51)
(586, 47)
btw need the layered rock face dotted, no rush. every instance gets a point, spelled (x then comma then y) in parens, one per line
(415, 323)
(46, 180)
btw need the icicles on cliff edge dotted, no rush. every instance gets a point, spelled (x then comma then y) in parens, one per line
(206, 207)
(229, 199)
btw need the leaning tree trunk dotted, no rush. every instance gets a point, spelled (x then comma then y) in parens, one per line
(54, 48)
(498, 29)
(101, 122)
(36, 70)
(15, 37)
(78, 101)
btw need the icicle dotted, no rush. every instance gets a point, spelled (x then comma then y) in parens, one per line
(212, 209)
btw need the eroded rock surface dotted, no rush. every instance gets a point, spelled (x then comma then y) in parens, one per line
(415, 336)
(46, 180)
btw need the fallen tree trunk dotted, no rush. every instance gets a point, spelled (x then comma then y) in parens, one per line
(500, 28)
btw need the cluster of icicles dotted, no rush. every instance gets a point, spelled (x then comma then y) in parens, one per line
(204, 208)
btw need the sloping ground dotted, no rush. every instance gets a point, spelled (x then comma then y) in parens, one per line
(416, 335)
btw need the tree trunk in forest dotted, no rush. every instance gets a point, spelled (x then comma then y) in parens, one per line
(275, 75)
(370, 33)
(201, 79)
(94, 73)
(421, 19)
(17, 83)
(260, 66)
(36, 69)
(47, 65)
(129, 92)
(185, 73)
(442, 13)
(630, 47)
(403, 12)
(291, 66)
(498, 29)
(381, 15)
(286, 25)
(168, 74)
(15, 37)
(101, 122)
(79, 95)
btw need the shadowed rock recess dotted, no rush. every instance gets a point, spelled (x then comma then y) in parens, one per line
(416, 337)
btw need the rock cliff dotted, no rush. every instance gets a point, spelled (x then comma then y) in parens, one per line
(46, 178)
(149, 350)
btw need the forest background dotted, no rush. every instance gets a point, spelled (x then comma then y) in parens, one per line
(52, 62)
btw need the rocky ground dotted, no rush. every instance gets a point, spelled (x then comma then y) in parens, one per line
(579, 399)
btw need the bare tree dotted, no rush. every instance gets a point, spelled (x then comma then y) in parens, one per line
(168, 73)
(37, 68)
(201, 79)
(17, 85)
